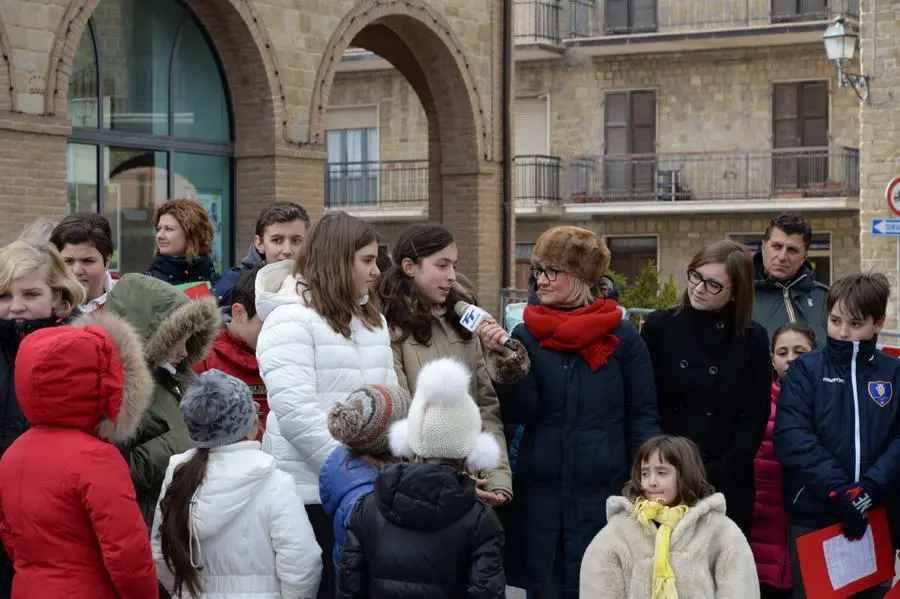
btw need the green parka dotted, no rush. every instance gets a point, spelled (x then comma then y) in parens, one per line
(803, 299)
(162, 315)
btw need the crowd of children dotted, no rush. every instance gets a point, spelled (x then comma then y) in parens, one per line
(373, 479)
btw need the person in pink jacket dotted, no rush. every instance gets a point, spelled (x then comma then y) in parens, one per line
(769, 533)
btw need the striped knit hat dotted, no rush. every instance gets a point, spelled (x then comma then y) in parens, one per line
(362, 420)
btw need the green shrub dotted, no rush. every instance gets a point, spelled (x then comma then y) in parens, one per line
(646, 291)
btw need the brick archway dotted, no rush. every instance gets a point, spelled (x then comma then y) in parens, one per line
(419, 42)
(243, 46)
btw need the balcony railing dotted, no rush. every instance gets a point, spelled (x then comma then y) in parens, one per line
(601, 18)
(393, 184)
(536, 21)
(403, 184)
(537, 180)
(714, 176)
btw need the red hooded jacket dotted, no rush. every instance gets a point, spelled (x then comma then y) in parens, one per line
(69, 517)
(769, 534)
(232, 356)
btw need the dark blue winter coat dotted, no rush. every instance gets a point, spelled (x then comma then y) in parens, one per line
(229, 278)
(815, 428)
(582, 431)
(342, 482)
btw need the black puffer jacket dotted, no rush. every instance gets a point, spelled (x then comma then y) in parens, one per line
(422, 534)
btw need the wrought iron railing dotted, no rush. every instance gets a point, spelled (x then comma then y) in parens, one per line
(787, 173)
(385, 184)
(536, 21)
(537, 180)
(625, 17)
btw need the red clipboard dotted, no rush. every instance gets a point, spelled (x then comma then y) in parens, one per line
(816, 579)
(894, 593)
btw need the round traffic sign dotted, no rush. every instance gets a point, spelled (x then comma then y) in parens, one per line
(892, 195)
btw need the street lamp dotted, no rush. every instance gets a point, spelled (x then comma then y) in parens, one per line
(841, 39)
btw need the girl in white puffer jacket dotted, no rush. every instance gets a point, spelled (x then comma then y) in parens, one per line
(321, 339)
(228, 523)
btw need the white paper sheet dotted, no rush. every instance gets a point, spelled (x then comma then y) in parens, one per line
(848, 561)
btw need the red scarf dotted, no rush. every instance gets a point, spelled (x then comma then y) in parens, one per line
(586, 331)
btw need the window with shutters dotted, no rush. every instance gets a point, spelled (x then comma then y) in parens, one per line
(629, 162)
(799, 135)
(799, 10)
(630, 16)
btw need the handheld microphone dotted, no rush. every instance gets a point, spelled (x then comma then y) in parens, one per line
(471, 317)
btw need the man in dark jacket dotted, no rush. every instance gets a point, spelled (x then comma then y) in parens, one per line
(280, 229)
(837, 430)
(786, 288)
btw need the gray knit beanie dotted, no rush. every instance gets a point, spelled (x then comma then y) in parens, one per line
(218, 410)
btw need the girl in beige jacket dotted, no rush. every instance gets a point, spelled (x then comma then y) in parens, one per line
(669, 537)
(418, 294)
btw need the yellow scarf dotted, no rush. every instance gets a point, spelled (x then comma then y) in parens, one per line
(667, 517)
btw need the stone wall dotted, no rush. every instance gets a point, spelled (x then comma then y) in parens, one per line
(878, 155)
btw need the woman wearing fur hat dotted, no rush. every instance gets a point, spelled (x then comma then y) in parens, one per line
(419, 294)
(229, 523)
(423, 532)
(321, 339)
(177, 333)
(68, 511)
(587, 405)
(360, 422)
(713, 371)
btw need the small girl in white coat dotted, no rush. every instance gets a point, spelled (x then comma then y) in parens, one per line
(228, 522)
(669, 537)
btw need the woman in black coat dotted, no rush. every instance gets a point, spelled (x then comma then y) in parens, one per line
(713, 371)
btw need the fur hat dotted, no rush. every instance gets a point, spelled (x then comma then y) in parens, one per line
(444, 421)
(574, 250)
(218, 410)
(361, 421)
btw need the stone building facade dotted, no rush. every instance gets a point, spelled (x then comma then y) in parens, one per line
(744, 109)
(116, 105)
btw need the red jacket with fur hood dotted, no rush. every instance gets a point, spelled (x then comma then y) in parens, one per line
(68, 513)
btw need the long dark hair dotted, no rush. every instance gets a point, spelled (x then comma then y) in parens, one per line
(174, 530)
(406, 313)
(326, 264)
(739, 267)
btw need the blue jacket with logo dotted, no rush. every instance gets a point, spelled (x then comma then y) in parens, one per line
(837, 423)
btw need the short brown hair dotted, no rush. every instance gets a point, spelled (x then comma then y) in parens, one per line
(279, 212)
(739, 268)
(326, 262)
(192, 216)
(863, 295)
(684, 456)
(84, 228)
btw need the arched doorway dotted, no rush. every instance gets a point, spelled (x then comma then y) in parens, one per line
(151, 120)
(463, 178)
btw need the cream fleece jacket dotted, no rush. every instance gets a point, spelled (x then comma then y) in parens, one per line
(709, 554)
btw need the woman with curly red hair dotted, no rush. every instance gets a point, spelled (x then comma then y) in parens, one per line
(184, 236)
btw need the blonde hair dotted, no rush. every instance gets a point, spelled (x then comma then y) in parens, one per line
(23, 257)
(582, 293)
(39, 231)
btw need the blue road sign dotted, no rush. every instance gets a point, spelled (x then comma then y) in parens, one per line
(886, 226)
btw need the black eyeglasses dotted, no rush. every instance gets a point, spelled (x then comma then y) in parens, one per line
(712, 286)
(550, 273)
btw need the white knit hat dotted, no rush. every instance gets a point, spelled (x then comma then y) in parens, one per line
(444, 421)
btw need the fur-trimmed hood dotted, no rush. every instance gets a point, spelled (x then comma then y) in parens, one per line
(89, 376)
(163, 315)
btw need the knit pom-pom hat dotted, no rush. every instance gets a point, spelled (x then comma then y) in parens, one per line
(361, 421)
(444, 421)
